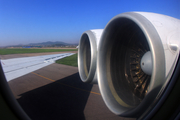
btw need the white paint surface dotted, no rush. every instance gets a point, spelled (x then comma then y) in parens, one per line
(17, 67)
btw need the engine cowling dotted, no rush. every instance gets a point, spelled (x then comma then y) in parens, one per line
(87, 55)
(137, 54)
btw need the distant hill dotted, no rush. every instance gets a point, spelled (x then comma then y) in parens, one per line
(49, 43)
(46, 44)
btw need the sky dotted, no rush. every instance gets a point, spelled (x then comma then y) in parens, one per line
(34, 21)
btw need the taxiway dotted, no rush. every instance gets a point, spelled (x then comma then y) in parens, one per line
(56, 92)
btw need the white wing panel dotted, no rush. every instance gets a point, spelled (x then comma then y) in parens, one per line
(17, 67)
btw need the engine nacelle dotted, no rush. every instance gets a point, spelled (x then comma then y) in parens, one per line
(137, 54)
(87, 55)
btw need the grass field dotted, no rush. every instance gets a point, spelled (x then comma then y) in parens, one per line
(71, 60)
(26, 50)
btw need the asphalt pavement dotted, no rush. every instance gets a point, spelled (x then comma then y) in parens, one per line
(56, 92)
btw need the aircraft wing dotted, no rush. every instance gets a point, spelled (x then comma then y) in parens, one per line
(17, 67)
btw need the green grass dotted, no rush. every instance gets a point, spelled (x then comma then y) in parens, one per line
(71, 60)
(26, 50)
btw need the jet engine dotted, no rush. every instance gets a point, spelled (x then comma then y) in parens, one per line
(87, 55)
(137, 54)
(136, 57)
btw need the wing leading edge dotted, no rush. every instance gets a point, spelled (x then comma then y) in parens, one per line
(17, 67)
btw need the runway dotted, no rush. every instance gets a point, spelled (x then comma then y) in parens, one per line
(56, 92)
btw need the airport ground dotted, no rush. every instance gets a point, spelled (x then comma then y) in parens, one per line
(10, 56)
(56, 92)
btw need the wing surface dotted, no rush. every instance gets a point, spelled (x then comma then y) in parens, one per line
(17, 67)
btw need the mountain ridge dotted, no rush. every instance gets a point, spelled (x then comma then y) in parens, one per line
(45, 44)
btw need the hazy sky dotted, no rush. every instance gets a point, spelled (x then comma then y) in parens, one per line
(32, 21)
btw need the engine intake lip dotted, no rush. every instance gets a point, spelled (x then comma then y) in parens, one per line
(104, 71)
(87, 56)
